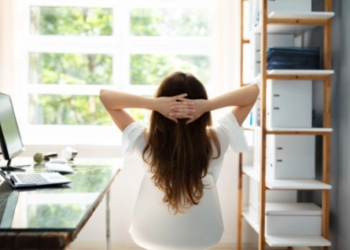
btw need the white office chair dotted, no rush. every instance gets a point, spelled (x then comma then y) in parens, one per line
(153, 227)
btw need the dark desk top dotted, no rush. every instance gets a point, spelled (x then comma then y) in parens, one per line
(64, 208)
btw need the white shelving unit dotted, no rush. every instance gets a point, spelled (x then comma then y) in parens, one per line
(286, 23)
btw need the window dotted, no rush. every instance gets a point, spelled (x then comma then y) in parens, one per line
(74, 48)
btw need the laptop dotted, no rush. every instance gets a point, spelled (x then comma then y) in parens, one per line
(19, 180)
(11, 146)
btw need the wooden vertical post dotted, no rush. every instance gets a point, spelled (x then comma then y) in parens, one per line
(263, 61)
(240, 196)
(240, 162)
(326, 122)
(242, 40)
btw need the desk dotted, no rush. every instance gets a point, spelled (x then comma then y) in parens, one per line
(51, 217)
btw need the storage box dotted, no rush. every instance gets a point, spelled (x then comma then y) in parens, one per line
(287, 156)
(289, 6)
(293, 219)
(290, 157)
(289, 104)
(278, 5)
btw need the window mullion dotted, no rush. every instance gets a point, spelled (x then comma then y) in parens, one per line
(72, 3)
(58, 89)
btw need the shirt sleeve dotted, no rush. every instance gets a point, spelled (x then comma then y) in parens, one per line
(132, 138)
(233, 132)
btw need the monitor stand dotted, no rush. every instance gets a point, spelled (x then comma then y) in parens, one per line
(11, 168)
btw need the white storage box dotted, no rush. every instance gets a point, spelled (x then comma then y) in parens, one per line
(290, 157)
(287, 156)
(289, 104)
(289, 6)
(278, 5)
(293, 219)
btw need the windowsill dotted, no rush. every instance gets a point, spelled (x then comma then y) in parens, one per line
(71, 141)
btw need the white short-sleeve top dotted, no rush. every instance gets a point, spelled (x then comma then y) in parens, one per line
(228, 131)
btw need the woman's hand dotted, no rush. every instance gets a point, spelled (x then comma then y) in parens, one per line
(175, 107)
(191, 109)
(202, 106)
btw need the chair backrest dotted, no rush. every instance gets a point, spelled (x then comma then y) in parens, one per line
(153, 227)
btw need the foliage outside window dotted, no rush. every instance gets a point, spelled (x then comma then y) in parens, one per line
(50, 70)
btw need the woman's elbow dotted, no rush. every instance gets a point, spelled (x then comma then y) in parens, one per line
(256, 91)
(102, 95)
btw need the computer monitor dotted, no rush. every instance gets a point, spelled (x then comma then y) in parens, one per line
(10, 137)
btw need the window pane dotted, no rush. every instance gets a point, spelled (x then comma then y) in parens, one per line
(141, 115)
(67, 110)
(169, 22)
(152, 69)
(80, 69)
(71, 21)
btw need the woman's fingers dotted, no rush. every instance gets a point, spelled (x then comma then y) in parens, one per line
(181, 98)
(182, 105)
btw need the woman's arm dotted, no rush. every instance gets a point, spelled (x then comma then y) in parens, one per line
(115, 102)
(243, 99)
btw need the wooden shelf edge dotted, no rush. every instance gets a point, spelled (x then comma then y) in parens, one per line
(281, 21)
(295, 76)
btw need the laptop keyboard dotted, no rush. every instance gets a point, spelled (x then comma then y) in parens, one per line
(32, 178)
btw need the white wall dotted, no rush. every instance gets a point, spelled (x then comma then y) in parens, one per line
(124, 194)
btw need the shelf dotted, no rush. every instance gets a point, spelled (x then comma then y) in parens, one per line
(301, 72)
(250, 221)
(300, 241)
(286, 240)
(295, 74)
(301, 15)
(294, 23)
(292, 208)
(288, 184)
(285, 28)
(293, 131)
(298, 131)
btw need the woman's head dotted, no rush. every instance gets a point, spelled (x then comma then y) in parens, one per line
(180, 83)
(179, 154)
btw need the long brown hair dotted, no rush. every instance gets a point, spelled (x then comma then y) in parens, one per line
(179, 154)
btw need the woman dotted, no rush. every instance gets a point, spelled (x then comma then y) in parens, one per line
(180, 146)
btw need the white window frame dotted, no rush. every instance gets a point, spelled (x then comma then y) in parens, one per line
(120, 45)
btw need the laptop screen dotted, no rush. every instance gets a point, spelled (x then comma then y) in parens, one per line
(12, 144)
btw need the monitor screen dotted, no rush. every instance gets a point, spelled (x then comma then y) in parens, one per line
(11, 142)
